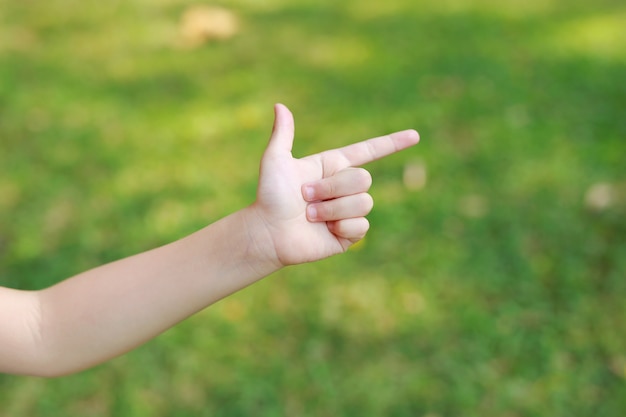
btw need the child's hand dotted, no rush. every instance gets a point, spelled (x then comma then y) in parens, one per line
(315, 207)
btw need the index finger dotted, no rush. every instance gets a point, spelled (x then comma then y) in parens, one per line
(370, 150)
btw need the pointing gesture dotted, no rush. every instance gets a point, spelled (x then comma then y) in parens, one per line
(315, 207)
(306, 209)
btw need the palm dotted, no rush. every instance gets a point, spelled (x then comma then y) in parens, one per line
(280, 201)
(295, 238)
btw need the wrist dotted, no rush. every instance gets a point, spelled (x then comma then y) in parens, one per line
(261, 253)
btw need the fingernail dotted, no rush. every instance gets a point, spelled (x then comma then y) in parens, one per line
(311, 212)
(308, 192)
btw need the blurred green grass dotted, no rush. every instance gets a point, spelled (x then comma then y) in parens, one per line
(497, 289)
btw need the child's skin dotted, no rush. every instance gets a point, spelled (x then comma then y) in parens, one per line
(306, 209)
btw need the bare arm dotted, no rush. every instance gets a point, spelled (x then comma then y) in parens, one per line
(306, 209)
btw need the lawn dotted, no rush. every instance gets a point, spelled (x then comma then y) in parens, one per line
(492, 282)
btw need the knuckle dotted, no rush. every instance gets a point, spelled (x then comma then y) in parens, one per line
(361, 227)
(367, 201)
(364, 178)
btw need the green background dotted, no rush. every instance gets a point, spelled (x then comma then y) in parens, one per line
(494, 288)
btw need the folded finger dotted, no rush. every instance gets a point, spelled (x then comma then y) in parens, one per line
(348, 181)
(352, 206)
(351, 229)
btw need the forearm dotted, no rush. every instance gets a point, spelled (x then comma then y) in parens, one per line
(109, 310)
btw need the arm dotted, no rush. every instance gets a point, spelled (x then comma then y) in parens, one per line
(306, 209)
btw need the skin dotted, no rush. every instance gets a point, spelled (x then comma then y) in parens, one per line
(306, 209)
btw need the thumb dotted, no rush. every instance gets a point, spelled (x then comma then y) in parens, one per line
(282, 137)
